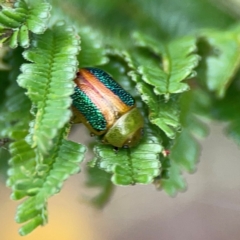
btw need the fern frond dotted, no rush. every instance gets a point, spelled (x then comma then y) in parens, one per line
(220, 58)
(49, 84)
(163, 114)
(93, 51)
(174, 183)
(177, 64)
(24, 17)
(39, 180)
(66, 155)
(186, 149)
(184, 153)
(21, 164)
(131, 166)
(165, 80)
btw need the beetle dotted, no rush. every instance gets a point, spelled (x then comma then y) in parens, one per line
(105, 108)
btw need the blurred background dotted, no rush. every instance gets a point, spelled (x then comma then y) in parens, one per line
(208, 210)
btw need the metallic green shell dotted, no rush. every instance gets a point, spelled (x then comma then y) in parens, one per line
(86, 107)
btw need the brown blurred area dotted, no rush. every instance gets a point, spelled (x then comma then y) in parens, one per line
(208, 210)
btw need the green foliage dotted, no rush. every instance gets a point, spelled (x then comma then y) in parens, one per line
(38, 179)
(42, 159)
(174, 182)
(220, 58)
(49, 82)
(175, 66)
(92, 51)
(139, 164)
(180, 67)
(158, 18)
(186, 149)
(16, 21)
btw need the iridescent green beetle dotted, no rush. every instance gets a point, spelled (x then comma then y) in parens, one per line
(105, 108)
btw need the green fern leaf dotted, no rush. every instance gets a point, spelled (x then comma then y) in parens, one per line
(131, 166)
(220, 58)
(177, 64)
(39, 180)
(38, 15)
(175, 181)
(31, 174)
(22, 162)
(13, 41)
(67, 157)
(161, 113)
(184, 153)
(23, 36)
(93, 51)
(23, 18)
(13, 17)
(164, 114)
(186, 149)
(49, 82)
